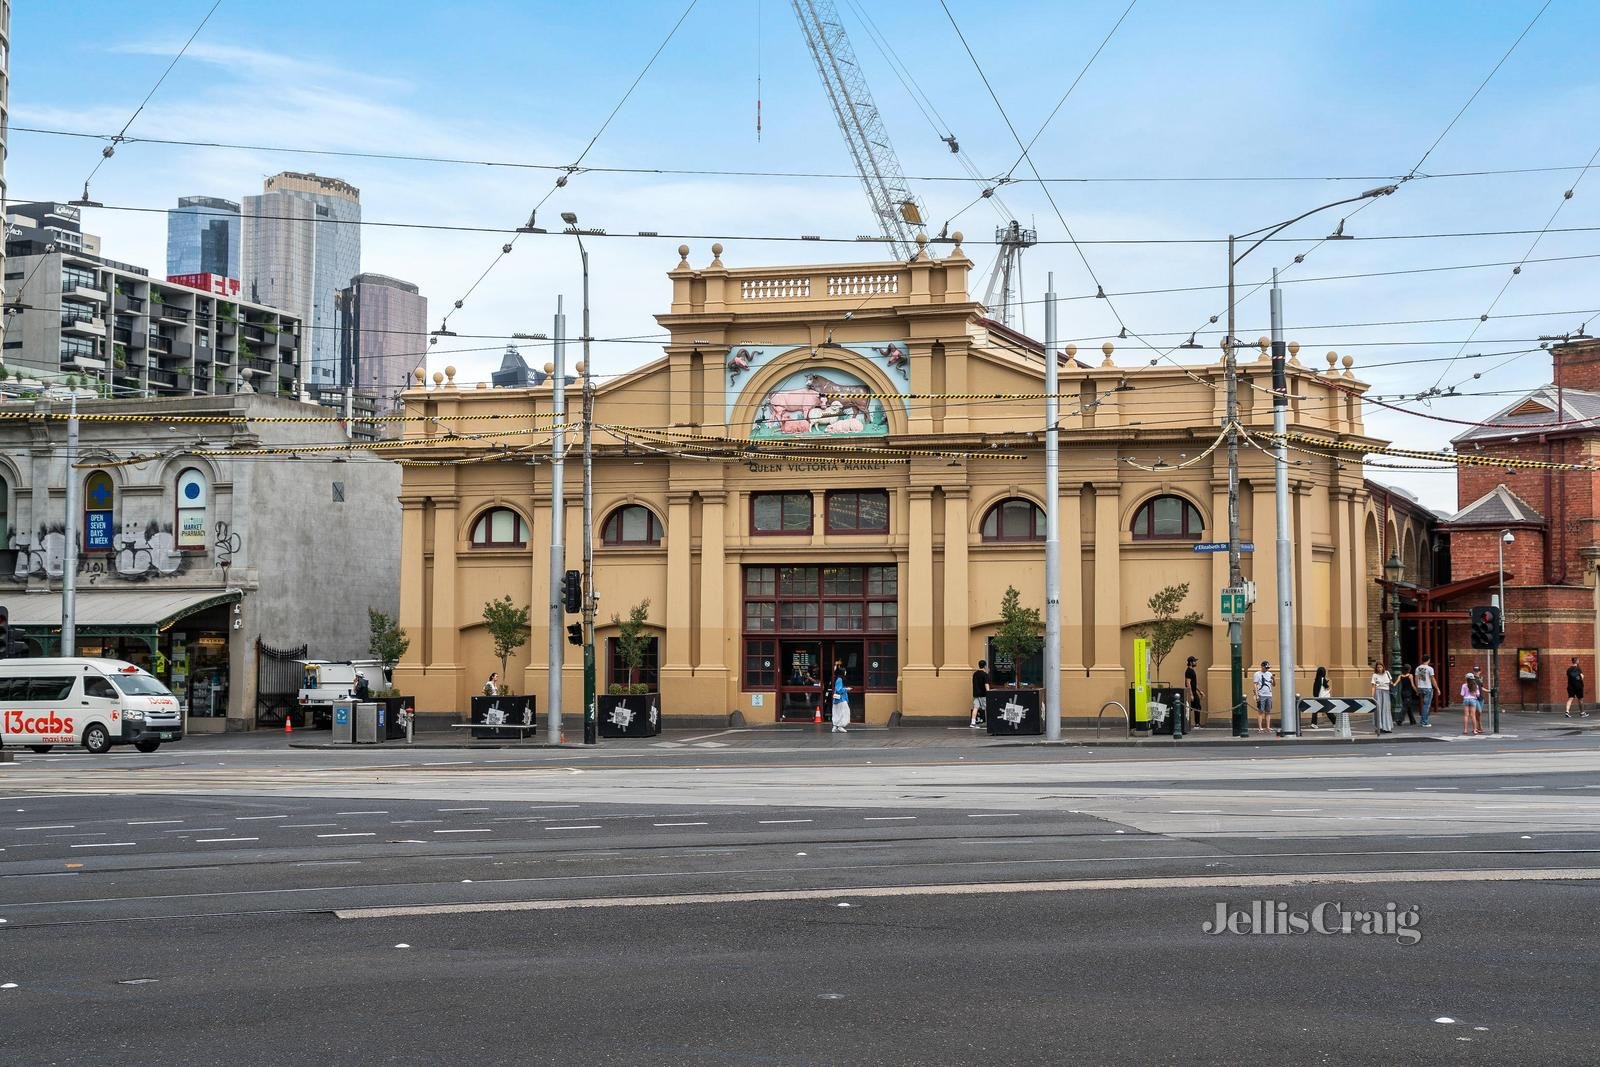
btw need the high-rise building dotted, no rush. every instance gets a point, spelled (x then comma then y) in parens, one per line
(5, 124)
(203, 234)
(302, 245)
(383, 336)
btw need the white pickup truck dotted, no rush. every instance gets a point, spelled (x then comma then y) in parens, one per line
(325, 681)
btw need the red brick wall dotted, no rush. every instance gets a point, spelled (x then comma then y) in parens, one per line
(1565, 498)
(1475, 552)
(1577, 366)
(1556, 620)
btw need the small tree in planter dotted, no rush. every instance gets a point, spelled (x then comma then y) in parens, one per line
(631, 709)
(508, 627)
(389, 641)
(1021, 635)
(1166, 627)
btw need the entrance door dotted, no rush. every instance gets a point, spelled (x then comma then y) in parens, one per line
(850, 655)
(801, 681)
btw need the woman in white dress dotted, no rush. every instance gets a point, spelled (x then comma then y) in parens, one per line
(1381, 683)
(841, 702)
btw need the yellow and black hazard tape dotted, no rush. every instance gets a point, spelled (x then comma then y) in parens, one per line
(454, 440)
(1462, 459)
(298, 420)
(802, 447)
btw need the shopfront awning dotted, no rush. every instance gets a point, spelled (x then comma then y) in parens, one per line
(116, 609)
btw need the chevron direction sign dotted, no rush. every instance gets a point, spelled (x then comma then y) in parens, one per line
(1338, 705)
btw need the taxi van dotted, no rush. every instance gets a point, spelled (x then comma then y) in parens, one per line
(95, 703)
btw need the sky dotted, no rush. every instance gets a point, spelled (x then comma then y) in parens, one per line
(1327, 99)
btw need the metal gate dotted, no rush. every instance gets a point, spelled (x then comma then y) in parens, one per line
(278, 678)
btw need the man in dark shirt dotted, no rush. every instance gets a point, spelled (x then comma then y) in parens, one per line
(980, 693)
(1575, 690)
(1191, 686)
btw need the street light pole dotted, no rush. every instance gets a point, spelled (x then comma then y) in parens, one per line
(1052, 522)
(590, 716)
(1229, 345)
(1290, 714)
(69, 563)
(1506, 538)
(558, 522)
(1395, 570)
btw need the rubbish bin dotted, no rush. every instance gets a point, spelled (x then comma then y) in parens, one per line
(344, 722)
(367, 728)
(1177, 704)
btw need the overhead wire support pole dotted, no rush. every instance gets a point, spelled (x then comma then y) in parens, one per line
(69, 563)
(558, 546)
(1052, 522)
(1235, 623)
(591, 723)
(1290, 713)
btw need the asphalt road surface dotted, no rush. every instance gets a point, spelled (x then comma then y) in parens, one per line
(796, 901)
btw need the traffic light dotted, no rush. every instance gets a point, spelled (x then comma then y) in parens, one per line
(575, 633)
(13, 643)
(1486, 629)
(572, 592)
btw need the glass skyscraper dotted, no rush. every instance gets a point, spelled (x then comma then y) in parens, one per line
(203, 237)
(302, 245)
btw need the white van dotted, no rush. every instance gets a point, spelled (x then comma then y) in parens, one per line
(93, 702)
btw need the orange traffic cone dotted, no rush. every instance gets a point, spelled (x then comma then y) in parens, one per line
(288, 723)
(817, 715)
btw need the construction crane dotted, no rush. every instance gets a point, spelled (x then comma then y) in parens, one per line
(900, 214)
(1007, 274)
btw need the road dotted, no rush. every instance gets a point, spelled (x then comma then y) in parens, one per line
(790, 900)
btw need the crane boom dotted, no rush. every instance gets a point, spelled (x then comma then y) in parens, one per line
(899, 213)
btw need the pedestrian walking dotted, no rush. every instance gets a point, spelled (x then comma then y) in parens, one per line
(1471, 705)
(1382, 683)
(841, 701)
(1261, 682)
(1191, 685)
(491, 688)
(980, 694)
(1575, 690)
(1426, 681)
(1320, 689)
(1408, 696)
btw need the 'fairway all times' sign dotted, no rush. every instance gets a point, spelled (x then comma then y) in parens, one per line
(1235, 601)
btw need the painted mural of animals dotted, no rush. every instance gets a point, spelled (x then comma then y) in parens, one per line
(827, 389)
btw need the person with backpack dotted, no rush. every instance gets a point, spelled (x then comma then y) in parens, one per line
(1320, 689)
(1261, 682)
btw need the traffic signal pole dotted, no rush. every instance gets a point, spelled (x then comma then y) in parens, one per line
(69, 563)
(591, 724)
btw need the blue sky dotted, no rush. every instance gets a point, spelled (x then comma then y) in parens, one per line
(1182, 90)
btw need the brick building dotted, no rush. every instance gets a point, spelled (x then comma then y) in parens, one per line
(1550, 607)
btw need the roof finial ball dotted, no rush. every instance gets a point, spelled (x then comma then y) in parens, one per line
(422, 375)
(1072, 350)
(1107, 348)
(450, 373)
(1294, 352)
(956, 239)
(1333, 361)
(683, 255)
(716, 256)
(438, 379)
(1348, 362)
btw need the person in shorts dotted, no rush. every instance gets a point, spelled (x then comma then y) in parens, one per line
(1575, 690)
(1192, 690)
(1261, 682)
(980, 693)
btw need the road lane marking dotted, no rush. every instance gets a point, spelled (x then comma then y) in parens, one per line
(214, 840)
(105, 844)
(256, 818)
(1294, 811)
(405, 822)
(349, 835)
(360, 813)
(329, 863)
(996, 815)
(306, 825)
(153, 822)
(1267, 881)
(194, 829)
(57, 826)
(887, 818)
(80, 834)
(461, 831)
(678, 824)
(462, 809)
(779, 822)
(589, 826)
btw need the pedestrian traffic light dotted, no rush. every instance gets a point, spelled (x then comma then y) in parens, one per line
(13, 643)
(572, 592)
(575, 633)
(1486, 628)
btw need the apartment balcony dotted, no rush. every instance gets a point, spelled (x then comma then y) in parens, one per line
(83, 293)
(166, 378)
(130, 304)
(227, 327)
(203, 354)
(83, 327)
(171, 312)
(79, 361)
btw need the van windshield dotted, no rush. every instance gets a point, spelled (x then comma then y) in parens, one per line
(140, 685)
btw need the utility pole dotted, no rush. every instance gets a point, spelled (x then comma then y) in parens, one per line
(1290, 713)
(1235, 579)
(1052, 522)
(558, 524)
(69, 566)
(590, 714)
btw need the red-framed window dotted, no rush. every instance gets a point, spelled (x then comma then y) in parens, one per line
(648, 672)
(1013, 519)
(851, 511)
(780, 513)
(499, 528)
(883, 664)
(1168, 518)
(631, 524)
(822, 601)
(760, 664)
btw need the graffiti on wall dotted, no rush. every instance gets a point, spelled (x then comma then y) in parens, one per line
(138, 552)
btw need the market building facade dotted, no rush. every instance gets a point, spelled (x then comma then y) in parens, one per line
(842, 464)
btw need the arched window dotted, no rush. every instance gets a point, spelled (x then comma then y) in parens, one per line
(499, 528)
(1014, 519)
(632, 524)
(193, 499)
(1167, 518)
(99, 504)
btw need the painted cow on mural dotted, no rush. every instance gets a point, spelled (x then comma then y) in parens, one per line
(828, 389)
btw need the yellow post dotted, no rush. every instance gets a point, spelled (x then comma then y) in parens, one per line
(1141, 683)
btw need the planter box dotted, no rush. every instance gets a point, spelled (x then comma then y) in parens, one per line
(630, 715)
(518, 710)
(393, 728)
(1014, 711)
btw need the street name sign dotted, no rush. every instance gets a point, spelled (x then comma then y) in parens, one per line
(1222, 546)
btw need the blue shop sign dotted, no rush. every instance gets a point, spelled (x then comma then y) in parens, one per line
(97, 530)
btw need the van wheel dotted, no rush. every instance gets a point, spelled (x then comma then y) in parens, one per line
(41, 748)
(96, 739)
(147, 746)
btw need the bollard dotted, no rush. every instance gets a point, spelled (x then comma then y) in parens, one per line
(411, 717)
(1344, 726)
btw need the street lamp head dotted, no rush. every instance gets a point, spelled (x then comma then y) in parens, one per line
(1394, 567)
(569, 217)
(1507, 537)
(1382, 190)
